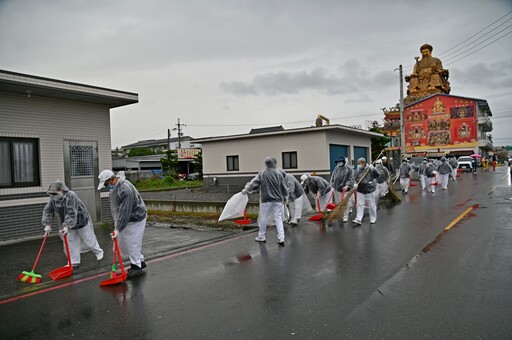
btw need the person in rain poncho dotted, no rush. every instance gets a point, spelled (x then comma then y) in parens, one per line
(73, 219)
(296, 197)
(423, 176)
(431, 172)
(444, 170)
(387, 164)
(365, 189)
(320, 188)
(273, 194)
(129, 213)
(405, 175)
(455, 165)
(382, 181)
(340, 177)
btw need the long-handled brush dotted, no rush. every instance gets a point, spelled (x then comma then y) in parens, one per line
(392, 193)
(338, 212)
(31, 277)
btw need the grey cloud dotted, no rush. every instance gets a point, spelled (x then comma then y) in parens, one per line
(351, 77)
(485, 75)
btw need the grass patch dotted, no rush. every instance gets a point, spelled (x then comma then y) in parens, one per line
(163, 184)
(187, 218)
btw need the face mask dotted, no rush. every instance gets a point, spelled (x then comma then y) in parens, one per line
(57, 197)
(109, 187)
(359, 166)
(342, 164)
(424, 162)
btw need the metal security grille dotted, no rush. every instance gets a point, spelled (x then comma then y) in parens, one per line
(81, 161)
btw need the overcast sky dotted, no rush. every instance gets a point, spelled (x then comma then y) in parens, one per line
(225, 67)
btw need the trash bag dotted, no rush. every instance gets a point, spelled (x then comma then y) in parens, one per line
(234, 207)
(306, 204)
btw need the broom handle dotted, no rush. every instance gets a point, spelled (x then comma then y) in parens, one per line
(67, 249)
(40, 251)
(368, 169)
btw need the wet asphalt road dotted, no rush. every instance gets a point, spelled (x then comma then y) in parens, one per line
(328, 282)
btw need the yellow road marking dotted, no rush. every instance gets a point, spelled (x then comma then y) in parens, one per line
(460, 217)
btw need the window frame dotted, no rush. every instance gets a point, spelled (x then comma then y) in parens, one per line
(35, 154)
(289, 154)
(233, 157)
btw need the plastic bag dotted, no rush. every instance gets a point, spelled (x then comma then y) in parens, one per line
(234, 207)
(306, 204)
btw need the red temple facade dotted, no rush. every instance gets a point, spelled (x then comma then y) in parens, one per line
(446, 124)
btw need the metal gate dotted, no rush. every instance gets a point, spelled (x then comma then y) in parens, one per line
(336, 151)
(81, 174)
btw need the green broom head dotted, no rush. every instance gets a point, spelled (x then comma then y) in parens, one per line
(338, 212)
(29, 277)
(113, 272)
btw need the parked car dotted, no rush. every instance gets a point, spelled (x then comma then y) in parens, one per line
(465, 163)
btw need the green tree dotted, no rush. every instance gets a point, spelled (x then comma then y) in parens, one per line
(198, 164)
(378, 143)
(170, 164)
(140, 152)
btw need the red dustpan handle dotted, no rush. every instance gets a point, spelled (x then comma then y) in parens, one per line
(121, 264)
(67, 250)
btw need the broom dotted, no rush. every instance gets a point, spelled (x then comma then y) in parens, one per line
(338, 212)
(392, 193)
(31, 277)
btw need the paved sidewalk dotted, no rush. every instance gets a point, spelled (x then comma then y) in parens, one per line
(159, 239)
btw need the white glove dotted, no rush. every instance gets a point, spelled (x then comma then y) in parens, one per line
(47, 228)
(355, 186)
(64, 231)
(114, 234)
(244, 192)
(371, 166)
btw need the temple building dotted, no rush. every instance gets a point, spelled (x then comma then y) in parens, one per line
(448, 124)
(435, 122)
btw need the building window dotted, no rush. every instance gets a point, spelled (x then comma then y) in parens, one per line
(19, 162)
(232, 163)
(290, 160)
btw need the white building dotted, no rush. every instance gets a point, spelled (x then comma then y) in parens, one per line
(51, 129)
(233, 160)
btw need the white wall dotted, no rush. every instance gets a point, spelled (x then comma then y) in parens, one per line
(52, 121)
(312, 151)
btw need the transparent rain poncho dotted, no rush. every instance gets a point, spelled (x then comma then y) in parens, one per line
(340, 176)
(367, 184)
(295, 190)
(444, 168)
(384, 174)
(126, 204)
(69, 210)
(271, 182)
(318, 185)
(453, 162)
(405, 170)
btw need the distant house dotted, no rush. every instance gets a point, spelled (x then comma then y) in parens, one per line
(185, 147)
(52, 129)
(161, 145)
(233, 160)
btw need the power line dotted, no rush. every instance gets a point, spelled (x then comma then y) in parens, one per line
(474, 35)
(469, 49)
(495, 28)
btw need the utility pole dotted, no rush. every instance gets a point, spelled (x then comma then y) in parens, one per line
(168, 139)
(402, 120)
(180, 133)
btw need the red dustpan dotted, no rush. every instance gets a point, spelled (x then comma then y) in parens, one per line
(244, 221)
(65, 271)
(320, 214)
(115, 277)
